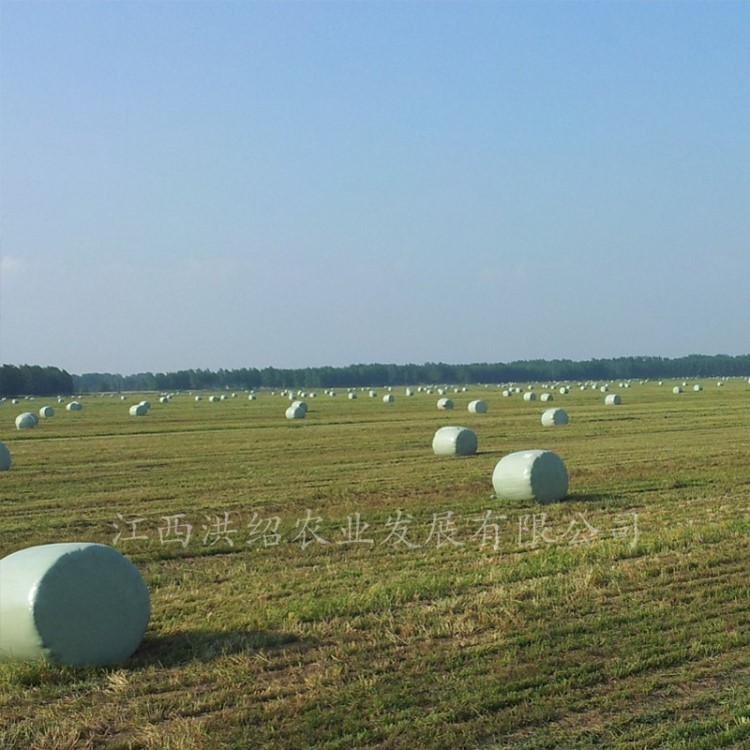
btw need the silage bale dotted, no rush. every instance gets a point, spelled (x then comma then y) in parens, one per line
(352, 396)
(295, 412)
(5, 459)
(373, 394)
(73, 604)
(546, 397)
(74, 406)
(697, 387)
(454, 441)
(138, 410)
(163, 399)
(300, 405)
(506, 393)
(199, 398)
(614, 399)
(214, 399)
(554, 417)
(444, 404)
(251, 397)
(409, 392)
(145, 404)
(388, 398)
(529, 396)
(26, 421)
(478, 406)
(677, 389)
(46, 412)
(531, 475)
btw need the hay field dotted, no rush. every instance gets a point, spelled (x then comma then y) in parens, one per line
(330, 583)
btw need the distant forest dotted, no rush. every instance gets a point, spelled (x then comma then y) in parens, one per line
(48, 381)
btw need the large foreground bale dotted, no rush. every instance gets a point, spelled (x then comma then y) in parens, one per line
(478, 407)
(4, 457)
(554, 417)
(454, 441)
(531, 475)
(73, 604)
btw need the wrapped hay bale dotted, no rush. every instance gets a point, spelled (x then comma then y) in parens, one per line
(553, 417)
(677, 389)
(352, 396)
(389, 398)
(546, 397)
(444, 404)
(73, 604)
(529, 396)
(614, 399)
(138, 410)
(74, 406)
(478, 406)
(531, 475)
(300, 405)
(5, 460)
(697, 387)
(199, 398)
(295, 412)
(26, 421)
(454, 441)
(46, 412)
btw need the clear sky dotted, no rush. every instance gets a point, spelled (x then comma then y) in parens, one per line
(244, 184)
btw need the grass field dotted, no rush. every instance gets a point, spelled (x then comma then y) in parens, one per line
(330, 583)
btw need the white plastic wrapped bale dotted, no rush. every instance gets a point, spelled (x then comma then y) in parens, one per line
(546, 397)
(613, 399)
(73, 604)
(46, 412)
(478, 406)
(300, 404)
(214, 399)
(295, 412)
(531, 475)
(444, 404)
(697, 387)
(26, 421)
(389, 398)
(5, 460)
(553, 417)
(199, 398)
(454, 441)
(138, 410)
(352, 396)
(74, 406)
(529, 396)
(677, 389)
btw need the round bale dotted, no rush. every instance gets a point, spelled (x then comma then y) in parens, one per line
(444, 403)
(295, 412)
(26, 421)
(529, 396)
(554, 417)
(613, 399)
(697, 387)
(531, 475)
(454, 441)
(4, 457)
(300, 404)
(478, 406)
(73, 604)
(74, 406)
(138, 410)
(46, 412)
(389, 398)
(677, 389)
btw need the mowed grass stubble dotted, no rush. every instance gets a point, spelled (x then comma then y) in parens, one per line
(330, 583)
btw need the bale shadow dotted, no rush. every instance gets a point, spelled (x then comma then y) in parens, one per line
(189, 646)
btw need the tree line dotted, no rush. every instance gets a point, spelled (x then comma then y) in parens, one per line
(622, 368)
(49, 381)
(33, 380)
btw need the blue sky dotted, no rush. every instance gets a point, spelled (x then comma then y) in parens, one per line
(244, 184)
